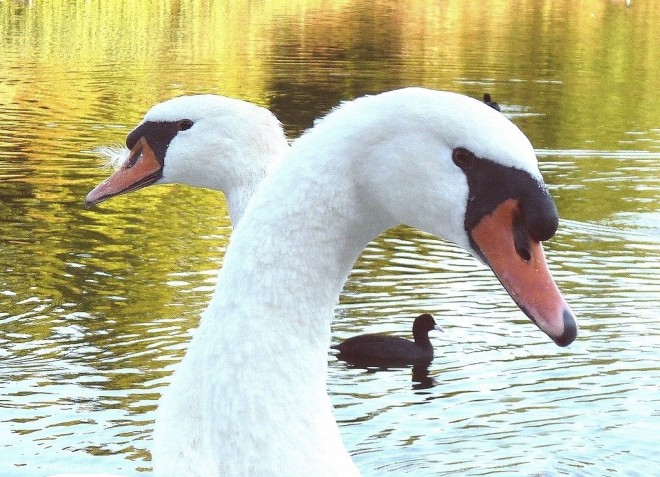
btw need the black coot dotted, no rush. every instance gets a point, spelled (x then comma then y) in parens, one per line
(383, 350)
(490, 102)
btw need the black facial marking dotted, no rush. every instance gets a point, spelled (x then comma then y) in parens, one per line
(539, 213)
(158, 135)
(490, 184)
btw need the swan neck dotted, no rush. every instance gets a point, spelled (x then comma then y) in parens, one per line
(267, 329)
(237, 200)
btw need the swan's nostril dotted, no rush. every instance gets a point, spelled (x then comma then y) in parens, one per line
(524, 254)
(521, 239)
(132, 160)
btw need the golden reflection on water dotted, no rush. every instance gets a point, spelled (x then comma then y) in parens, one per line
(115, 59)
(96, 306)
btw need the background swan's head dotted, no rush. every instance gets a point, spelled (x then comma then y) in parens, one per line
(453, 166)
(206, 141)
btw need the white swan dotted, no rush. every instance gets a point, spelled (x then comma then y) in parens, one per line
(442, 162)
(231, 148)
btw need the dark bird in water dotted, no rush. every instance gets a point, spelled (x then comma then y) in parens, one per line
(374, 349)
(490, 102)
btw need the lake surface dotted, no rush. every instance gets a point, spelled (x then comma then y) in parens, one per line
(97, 306)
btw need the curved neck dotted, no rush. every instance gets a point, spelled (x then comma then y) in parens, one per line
(239, 194)
(265, 339)
(291, 261)
(237, 200)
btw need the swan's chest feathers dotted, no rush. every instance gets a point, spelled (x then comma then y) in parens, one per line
(249, 400)
(253, 429)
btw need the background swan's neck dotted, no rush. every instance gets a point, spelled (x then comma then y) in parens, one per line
(239, 188)
(238, 198)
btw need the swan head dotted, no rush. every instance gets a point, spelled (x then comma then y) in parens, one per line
(206, 141)
(452, 166)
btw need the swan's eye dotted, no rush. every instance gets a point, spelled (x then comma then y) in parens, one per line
(185, 124)
(462, 158)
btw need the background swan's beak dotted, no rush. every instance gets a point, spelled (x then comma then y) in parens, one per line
(519, 263)
(140, 169)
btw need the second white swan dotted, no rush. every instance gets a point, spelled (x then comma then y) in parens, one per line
(231, 149)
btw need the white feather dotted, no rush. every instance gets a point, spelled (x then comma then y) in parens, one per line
(114, 155)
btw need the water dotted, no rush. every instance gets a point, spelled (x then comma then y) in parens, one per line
(97, 306)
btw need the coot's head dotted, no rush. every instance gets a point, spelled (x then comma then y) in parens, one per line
(489, 101)
(423, 324)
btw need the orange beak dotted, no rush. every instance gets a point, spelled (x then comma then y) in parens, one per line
(519, 263)
(141, 169)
